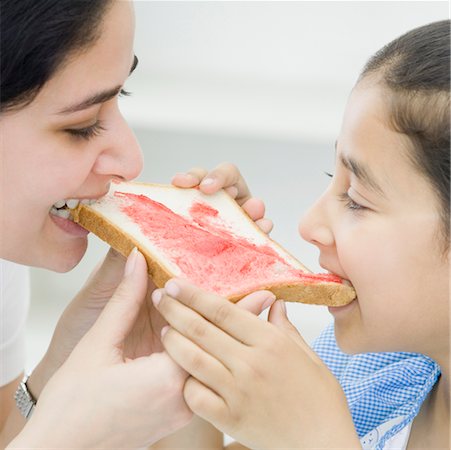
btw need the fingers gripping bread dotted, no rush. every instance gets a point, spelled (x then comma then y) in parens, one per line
(208, 240)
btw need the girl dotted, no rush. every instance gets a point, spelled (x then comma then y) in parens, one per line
(383, 224)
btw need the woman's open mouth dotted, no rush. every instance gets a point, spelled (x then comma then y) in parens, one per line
(61, 216)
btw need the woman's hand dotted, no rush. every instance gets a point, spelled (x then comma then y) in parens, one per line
(100, 397)
(257, 381)
(226, 176)
(83, 311)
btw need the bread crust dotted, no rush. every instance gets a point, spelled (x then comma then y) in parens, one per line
(322, 293)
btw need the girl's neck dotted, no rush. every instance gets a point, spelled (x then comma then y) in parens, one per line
(431, 427)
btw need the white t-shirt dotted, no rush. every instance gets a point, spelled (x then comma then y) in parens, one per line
(399, 440)
(14, 304)
(396, 442)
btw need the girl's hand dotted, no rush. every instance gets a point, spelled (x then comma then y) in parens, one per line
(102, 398)
(226, 176)
(257, 381)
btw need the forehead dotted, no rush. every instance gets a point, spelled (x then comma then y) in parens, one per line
(105, 64)
(367, 137)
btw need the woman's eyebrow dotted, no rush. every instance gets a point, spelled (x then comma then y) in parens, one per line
(362, 173)
(100, 97)
(135, 63)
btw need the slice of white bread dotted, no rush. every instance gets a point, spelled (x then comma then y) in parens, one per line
(208, 240)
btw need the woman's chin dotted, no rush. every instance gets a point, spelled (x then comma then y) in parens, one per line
(63, 258)
(68, 260)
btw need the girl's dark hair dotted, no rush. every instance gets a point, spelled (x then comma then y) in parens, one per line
(36, 38)
(415, 68)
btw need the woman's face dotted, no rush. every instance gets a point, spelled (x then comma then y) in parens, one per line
(69, 143)
(378, 225)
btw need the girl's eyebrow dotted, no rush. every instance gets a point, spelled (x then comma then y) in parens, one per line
(362, 173)
(100, 97)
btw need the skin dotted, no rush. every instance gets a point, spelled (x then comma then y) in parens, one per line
(58, 164)
(232, 357)
(109, 334)
(77, 357)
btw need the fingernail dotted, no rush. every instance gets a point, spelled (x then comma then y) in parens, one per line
(131, 262)
(268, 302)
(233, 191)
(164, 330)
(172, 288)
(207, 181)
(283, 306)
(157, 295)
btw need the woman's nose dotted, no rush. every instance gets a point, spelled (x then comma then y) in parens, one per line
(315, 225)
(122, 157)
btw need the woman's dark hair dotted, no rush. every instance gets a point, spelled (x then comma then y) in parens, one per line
(36, 38)
(415, 68)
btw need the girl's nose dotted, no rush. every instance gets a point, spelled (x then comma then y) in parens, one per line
(122, 157)
(315, 225)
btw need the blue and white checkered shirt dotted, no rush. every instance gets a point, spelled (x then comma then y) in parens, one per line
(379, 387)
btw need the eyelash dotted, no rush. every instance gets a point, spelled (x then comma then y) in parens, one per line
(92, 131)
(88, 132)
(348, 201)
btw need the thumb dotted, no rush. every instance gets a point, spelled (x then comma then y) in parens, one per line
(121, 311)
(278, 317)
(257, 301)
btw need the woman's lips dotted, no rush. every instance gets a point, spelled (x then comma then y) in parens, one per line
(69, 226)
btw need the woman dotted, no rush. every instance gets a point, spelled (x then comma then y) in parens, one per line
(63, 66)
(105, 380)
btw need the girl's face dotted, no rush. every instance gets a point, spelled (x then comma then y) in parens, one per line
(69, 143)
(378, 225)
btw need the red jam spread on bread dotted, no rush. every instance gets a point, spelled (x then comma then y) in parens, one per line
(208, 253)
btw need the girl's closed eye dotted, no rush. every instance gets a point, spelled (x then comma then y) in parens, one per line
(347, 200)
(351, 204)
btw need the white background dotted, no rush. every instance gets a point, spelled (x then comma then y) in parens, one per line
(261, 84)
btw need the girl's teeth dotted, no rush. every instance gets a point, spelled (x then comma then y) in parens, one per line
(60, 203)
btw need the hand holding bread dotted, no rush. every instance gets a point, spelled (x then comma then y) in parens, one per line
(256, 381)
(95, 379)
(228, 177)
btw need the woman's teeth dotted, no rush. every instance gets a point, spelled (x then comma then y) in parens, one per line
(64, 213)
(61, 207)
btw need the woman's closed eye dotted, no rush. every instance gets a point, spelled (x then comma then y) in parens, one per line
(95, 129)
(87, 133)
(124, 93)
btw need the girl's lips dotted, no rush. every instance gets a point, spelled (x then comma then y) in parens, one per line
(339, 310)
(69, 226)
